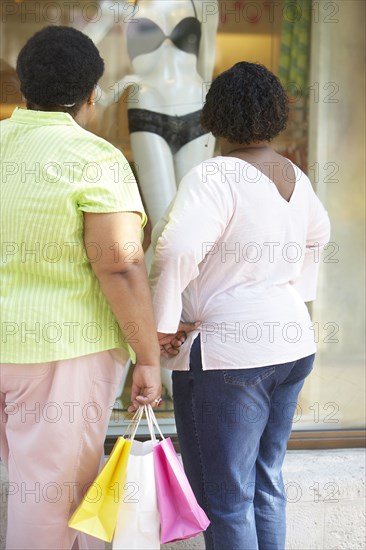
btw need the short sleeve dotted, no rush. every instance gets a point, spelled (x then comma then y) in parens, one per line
(108, 185)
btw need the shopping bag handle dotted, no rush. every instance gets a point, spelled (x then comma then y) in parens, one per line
(132, 427)
(152, 422)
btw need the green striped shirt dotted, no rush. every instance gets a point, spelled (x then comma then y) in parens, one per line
(52, 171)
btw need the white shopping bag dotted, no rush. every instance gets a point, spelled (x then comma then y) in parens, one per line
(138, 523)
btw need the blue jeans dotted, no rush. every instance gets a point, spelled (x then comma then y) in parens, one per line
(233, 427)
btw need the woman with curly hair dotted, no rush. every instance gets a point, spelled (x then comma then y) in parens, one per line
(239, 251)
(74, 291)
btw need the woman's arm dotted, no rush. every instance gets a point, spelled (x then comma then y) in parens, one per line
(198, 217)
(318, 235)
(123, 279)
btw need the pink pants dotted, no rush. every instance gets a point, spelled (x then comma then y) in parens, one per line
(54, 421)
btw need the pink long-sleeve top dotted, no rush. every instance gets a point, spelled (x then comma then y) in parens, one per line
(232, 253)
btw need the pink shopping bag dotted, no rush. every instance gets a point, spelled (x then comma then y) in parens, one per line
(181, 517)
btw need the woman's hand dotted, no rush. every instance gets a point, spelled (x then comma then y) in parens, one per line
(170, 343)
(146, 386)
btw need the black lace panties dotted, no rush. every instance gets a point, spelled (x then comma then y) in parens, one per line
(176, 130)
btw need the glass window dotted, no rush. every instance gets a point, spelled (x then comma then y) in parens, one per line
(335, 393)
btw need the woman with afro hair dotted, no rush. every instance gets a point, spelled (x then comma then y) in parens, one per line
(74, 291)
(239, 251)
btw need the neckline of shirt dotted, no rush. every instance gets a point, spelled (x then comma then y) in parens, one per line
(296, 168)
(42, 118)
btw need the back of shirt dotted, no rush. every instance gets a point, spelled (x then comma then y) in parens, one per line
(52, 171)
(245, 261)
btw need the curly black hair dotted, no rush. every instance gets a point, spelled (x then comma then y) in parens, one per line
(58, 66)
(245, 104)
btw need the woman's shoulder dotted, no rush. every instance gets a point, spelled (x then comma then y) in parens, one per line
(208, 171)
(89, 147)
(301, 178)
(95, 148)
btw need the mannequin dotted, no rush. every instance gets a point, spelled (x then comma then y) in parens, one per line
(171, 48)
(171, 45)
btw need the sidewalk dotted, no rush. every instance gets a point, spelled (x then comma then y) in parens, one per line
(326, 502)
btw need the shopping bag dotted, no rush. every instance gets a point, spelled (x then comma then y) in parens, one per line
(97, 513)
(181, 517)
(138, 523)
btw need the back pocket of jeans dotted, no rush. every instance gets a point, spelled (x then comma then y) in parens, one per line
(248, 377)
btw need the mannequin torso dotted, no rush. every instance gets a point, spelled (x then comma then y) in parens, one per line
(170, 82)
(168, 42)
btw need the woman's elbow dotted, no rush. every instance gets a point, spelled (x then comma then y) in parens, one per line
(125, 265)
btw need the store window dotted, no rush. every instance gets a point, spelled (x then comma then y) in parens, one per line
(316, 48)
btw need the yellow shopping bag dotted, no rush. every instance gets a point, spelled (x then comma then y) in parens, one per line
(97, 513)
